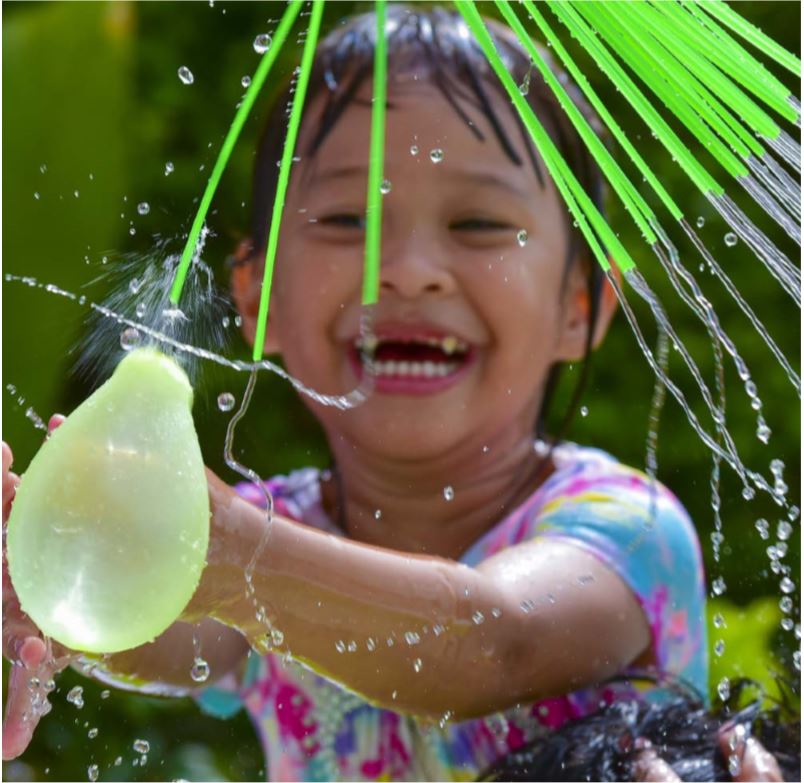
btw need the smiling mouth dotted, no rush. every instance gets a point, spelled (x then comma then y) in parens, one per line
(413, 365)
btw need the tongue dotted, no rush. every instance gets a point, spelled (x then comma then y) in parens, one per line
(410, 352)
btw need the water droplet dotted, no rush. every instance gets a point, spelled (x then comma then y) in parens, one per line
(352, 647)
(449, 493)
(478, 618)
(762, 528)
(700, 222)
(763, 432)
(105, 694)
(784, 530)
(797, 659)
(793, 512)
(277, 637)
(719, 586)
(186, 75)
(226, 401)
(143, 208)
(411, 637)
(720, 647)
(135, 285)
(92, 772)
(118, 761)
(786, 604)
(787, 623)
(92, 733)
(378, 514)
(200, 670)
(734, 765)
(417, 665)
(76, 193)
(130, 338)
(245, 81)
(527, 606)
(787, 585)
(262, 43)
(414, 150)
(437, 155)
(169, 168)
(719, 621)
(385, 187)
(140, 309)
(371, 645)
(36, 196)
(730, 239)
(141, 746)
(76, 696)
(584, 411)
(496, 613)
(522, 237)
(132, 231)
(748, 492)
(723, 689)
(340, 646)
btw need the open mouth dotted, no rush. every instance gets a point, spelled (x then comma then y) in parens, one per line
(417, 364)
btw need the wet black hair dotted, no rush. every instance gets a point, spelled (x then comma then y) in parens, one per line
(439, 41)
(682, 731)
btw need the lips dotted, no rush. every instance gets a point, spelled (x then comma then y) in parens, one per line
(412, 359)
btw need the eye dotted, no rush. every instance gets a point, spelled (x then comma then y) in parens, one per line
(343, 220)
(480, 224)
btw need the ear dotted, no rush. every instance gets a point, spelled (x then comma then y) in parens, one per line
(246, 286)
(575, 314)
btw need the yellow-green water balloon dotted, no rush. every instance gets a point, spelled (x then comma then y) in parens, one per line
(109, 529)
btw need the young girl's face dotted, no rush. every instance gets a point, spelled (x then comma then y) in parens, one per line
(456, 271)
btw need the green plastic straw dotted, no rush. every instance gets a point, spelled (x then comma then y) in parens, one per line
(734, 59)
(604, 114)
(371, 273)
(267, 61)
(711, 86)
(621, 37)
(631, 198)
(578, 202)
(284, 173)
(568, 15)
(753, 34)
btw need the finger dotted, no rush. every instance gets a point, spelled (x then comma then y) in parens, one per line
(649, 767)
(56, 420)
(19, 723)
(8, 458)
(10, 483)
(755, 762)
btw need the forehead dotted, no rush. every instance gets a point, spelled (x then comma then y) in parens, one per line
(419, 115)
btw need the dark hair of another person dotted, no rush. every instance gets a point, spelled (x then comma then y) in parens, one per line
(682, 730)
(438, 42)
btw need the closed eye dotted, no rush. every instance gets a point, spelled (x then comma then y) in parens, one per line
(343, 220)
(479, 224)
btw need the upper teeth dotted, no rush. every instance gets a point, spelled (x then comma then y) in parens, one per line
(448, 344)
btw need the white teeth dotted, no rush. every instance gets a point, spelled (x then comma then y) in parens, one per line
(415, 369)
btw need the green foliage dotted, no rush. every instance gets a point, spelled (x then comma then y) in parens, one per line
(91, 89)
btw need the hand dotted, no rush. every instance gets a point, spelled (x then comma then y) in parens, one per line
(35, 661)
(755, 763)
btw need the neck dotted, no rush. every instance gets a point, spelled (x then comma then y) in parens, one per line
(438, 506)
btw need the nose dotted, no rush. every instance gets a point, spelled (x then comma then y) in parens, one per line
(415, 267)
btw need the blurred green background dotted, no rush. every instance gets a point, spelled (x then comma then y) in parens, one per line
(93, 111)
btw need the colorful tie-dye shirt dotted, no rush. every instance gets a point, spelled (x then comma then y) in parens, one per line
(313, 729)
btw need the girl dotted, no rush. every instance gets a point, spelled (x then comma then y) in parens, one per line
(451, 588)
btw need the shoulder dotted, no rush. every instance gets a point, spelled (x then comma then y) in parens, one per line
(296, 495)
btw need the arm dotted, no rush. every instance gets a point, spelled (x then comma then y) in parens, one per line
(323, 593)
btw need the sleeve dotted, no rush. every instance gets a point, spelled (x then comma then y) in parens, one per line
(224, 698)
(639, 529)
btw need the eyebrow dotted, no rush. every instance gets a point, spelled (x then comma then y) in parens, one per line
(482, 178)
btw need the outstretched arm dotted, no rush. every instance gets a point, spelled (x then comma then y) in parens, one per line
(417, 633)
